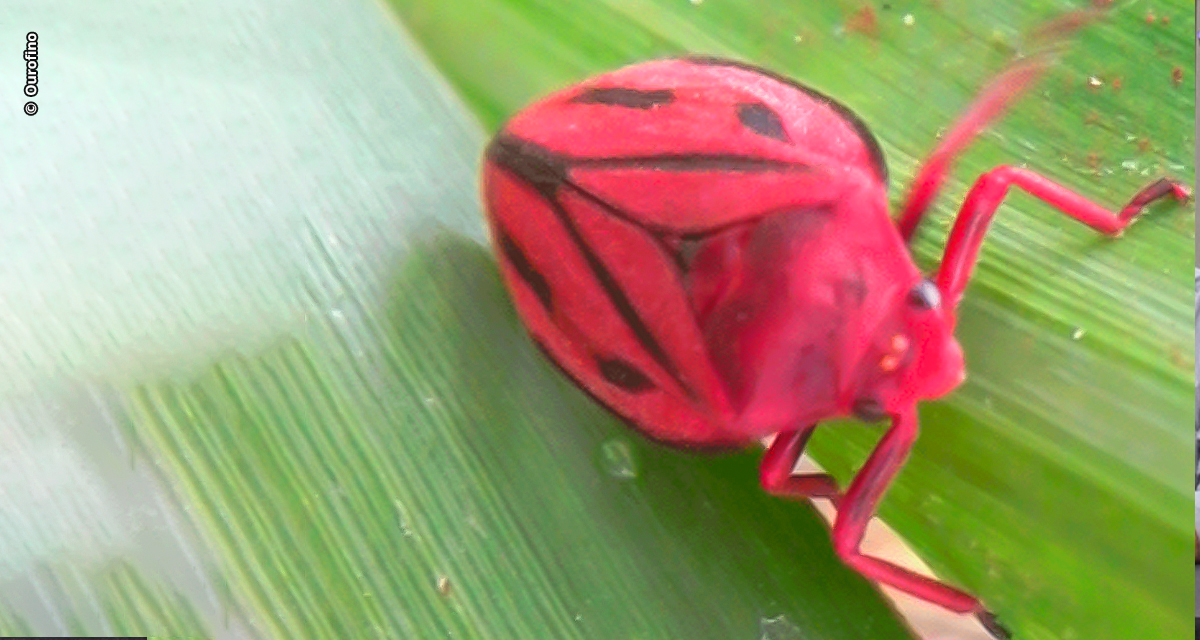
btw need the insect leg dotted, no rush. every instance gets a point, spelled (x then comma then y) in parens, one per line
(995, 99)
(962, 247)
(858, 507)
(775, 471)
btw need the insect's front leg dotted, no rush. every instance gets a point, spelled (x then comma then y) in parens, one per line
(775, 470)
(858, 506)
(962, 247)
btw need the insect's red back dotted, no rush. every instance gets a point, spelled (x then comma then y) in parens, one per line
(600, 195)
(693, 108)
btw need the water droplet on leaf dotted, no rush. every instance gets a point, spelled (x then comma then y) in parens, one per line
(779, 628)
(618, 460)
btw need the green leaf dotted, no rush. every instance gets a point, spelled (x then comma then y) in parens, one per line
(260, 377)
(1052, 482)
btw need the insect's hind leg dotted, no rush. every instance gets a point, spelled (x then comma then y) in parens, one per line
(775, 470)
(984, 198)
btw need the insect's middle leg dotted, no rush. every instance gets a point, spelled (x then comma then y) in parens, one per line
(984, 198)
(775, 470)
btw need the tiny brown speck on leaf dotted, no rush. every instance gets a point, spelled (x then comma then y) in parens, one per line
(1178, 357)
(863, 21)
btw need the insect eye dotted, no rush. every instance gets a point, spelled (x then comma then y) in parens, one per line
(925, 295)
(869, 410)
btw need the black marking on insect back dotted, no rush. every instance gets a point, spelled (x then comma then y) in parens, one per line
(524, 268)
(685, 250)
(634, 424)
(762, 120)
(714, 162)
(624, 375)
(541, 168)
(547, 172)
(624, 97)
(878, 162)
(658, 232)
(618, 297)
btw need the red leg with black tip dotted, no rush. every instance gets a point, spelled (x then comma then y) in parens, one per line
(858, 505)
(966, 238)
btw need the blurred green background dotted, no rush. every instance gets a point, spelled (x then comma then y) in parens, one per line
(259, 378)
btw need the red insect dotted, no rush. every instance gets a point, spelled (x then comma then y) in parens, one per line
(704, 247)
